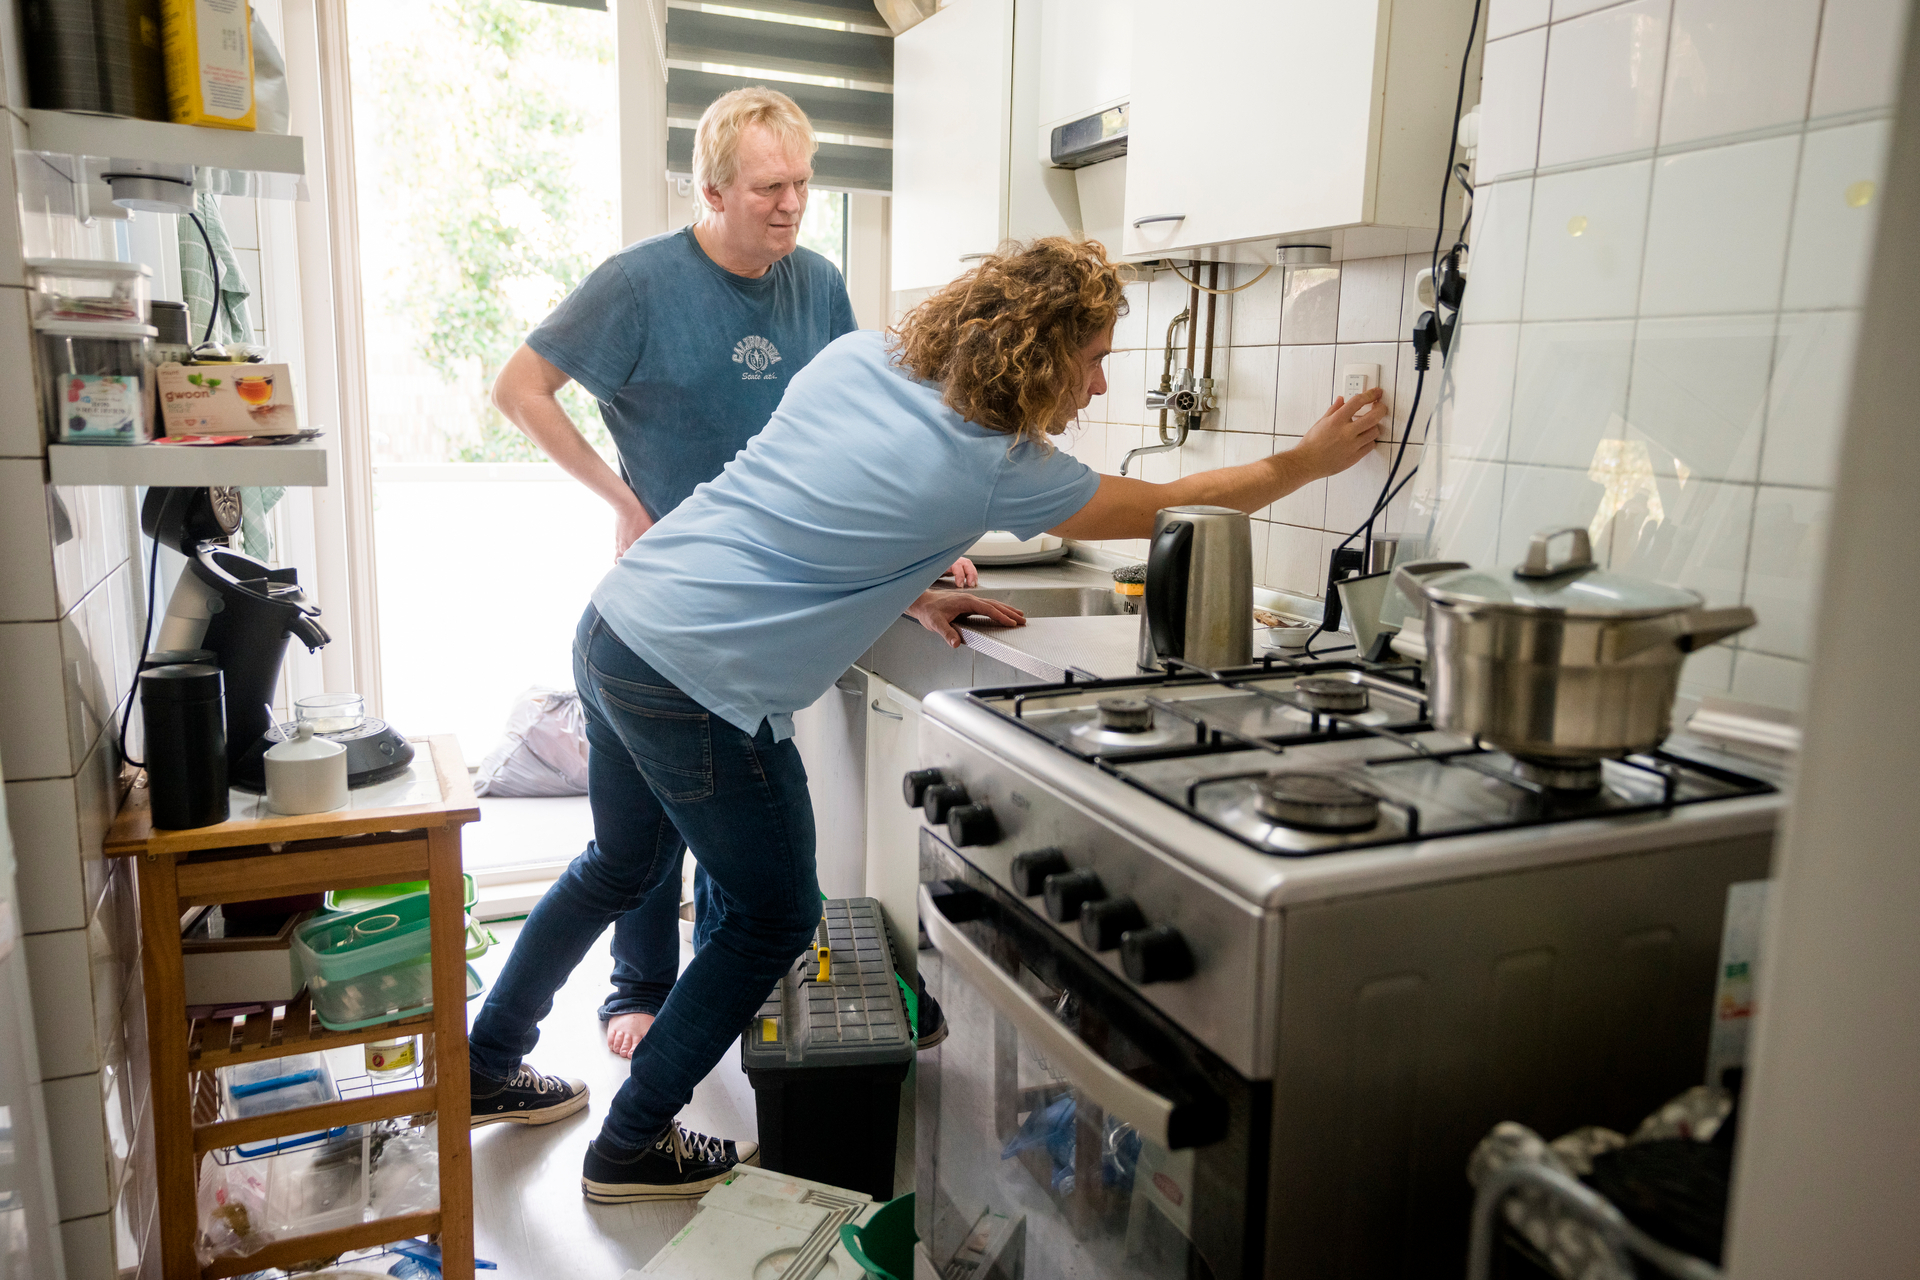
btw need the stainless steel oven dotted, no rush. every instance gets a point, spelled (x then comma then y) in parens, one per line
(1066, 1128)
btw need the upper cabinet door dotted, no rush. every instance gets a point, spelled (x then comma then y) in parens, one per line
(1252, 118)
(952, 94)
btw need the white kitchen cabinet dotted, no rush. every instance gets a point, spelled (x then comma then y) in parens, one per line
(893, 830)
(1256, 123)
(832, 738)
(967, 90)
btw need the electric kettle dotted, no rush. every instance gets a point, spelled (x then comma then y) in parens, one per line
(1198, 606)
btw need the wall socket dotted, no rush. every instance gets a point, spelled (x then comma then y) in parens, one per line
(1355, 379)
(1342, 564)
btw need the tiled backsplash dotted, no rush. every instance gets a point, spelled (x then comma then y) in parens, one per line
(1672, 230)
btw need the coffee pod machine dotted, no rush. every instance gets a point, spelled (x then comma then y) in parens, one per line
(244, 612)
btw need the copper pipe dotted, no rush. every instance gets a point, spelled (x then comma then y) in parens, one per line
(1193, 309)
(1213, 284)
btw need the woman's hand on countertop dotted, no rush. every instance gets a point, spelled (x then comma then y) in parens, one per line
(937, 610)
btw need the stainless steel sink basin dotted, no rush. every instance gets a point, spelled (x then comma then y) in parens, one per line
(1062, 602)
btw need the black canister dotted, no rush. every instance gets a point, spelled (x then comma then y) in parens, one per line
(184, 710)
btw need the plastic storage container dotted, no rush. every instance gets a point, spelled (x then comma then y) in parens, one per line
(96, 380)
(89, 290)
(278, 1084)
(380, 894)
(826, 1058)
(370, 966)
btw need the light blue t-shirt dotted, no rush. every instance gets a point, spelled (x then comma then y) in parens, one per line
(759, 590)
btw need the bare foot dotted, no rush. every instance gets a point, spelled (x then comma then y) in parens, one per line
(625, 1031)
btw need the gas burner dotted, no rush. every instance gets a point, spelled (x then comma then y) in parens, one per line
(1124, 722)
(1323, 802)
(1125, 715)
(1329, 693)
(1571, 776)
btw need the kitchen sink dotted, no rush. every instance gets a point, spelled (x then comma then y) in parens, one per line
(1062, 602)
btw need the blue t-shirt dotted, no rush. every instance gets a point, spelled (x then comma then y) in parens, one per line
(758, 591)
(686, 358)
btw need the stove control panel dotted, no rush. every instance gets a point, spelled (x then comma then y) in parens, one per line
(1068, 891)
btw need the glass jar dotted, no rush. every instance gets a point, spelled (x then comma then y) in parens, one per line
(84, 289)
(96, 381)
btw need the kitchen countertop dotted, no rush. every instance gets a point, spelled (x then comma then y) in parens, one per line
(1046, 647)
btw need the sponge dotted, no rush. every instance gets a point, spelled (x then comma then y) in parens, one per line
(1130, 579)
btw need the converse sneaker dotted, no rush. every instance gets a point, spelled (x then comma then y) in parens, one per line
(930, 1022)
(677, 1166)
(528, 1098)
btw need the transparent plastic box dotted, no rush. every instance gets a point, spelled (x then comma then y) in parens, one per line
(87, 289)
(370, 966)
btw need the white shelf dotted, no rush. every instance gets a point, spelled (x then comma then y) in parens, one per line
(303, 464)
(73, 133)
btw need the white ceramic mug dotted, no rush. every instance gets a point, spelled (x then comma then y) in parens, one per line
(306, 774)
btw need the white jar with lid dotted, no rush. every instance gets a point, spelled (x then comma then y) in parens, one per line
(96, 380)
(306, 774)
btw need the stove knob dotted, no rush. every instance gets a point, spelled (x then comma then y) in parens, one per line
(942, 799)
(1031, 869)
(914, 785)
(972, 824)
(1068, 890)
(1102, 922)
(1155, 954)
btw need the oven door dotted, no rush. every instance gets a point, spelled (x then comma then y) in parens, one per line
(1065, 1128)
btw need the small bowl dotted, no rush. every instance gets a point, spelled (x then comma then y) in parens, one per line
(332, 712)
(1291, 636)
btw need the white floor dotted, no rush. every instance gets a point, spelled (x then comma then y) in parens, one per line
(528, 1212)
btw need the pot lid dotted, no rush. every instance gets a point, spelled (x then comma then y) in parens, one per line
(1574, 586)
(304, 746)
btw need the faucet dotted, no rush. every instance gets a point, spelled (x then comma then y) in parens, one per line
(1188, 398)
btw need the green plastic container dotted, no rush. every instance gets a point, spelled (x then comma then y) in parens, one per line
(884, 1246)
(371, 966)
(379, 895)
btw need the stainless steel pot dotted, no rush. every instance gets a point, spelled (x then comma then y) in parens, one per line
(1559, 660)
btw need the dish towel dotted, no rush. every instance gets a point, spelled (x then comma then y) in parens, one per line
(235, 324)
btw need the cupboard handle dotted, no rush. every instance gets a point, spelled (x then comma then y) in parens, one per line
(1160, 217)
(974, 257)
(1093, 1075)
(891, 715)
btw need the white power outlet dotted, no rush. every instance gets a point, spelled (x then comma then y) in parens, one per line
(1358, 378)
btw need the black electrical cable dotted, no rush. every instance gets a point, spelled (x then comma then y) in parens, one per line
(146, 637)
(1453, 141)
(213, 263)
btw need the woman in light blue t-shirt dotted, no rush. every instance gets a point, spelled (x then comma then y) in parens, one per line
(888, 456)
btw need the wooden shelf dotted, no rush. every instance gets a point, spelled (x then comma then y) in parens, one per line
(290, 465)
(214, 1043)
(74, 133)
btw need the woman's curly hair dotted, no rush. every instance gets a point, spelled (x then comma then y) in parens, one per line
(1004, 340)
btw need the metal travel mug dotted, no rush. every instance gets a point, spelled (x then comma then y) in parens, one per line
(184, 710)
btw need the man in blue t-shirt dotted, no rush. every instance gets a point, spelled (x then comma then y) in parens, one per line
(687, 340)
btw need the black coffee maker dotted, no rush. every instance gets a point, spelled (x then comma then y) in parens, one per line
(245, 612)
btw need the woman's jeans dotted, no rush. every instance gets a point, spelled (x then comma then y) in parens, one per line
(663, 772)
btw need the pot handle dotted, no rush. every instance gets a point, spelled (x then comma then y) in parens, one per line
(1407, 576)
(1694, 629)
(1579, 556)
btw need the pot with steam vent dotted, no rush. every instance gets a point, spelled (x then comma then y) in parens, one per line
(1559, 661)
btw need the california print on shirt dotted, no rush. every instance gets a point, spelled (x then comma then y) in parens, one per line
(758, 355)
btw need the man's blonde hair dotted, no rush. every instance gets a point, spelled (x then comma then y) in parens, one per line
(716, 143)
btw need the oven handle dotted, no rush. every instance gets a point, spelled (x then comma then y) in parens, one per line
(1117, 1095)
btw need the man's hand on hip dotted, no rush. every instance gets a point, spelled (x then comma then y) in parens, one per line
(629, 522)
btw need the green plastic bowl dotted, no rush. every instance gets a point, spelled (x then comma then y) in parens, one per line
(884, 1246)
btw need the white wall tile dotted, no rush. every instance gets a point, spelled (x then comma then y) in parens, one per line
(1205, 450)
(1807, 399)
(1504, 17)
(1835, 210)
(1570, 392)
(1303, 388)
(74, 1111)
(1736, 65)
(1602, 94)
(1297, 559)
(63, 1003)
(1783, 569)
(26, 567)
(240, 216)
(1352, 495)
(1476, 402)
(1717, 232)
(1707, 671)
(1126, 399)
(21, 433)
(33, 684)
(1585, 245)
(1166, 298)
(1122, 438)
(1498, 265)
(1258, 539)
(94, 523)
(1305, 506)
(1310, 306)
(1130, 330)
(1858, 64)
(1512, 74)
(1769, 681)
(1564, 9)
(1370, 290)
(1158, 468)
(1694, 533)
(1255, 310)
(1248, 401)
(58, 825)
(88, 1246)
(1536, 498)
(1471, 499)
(1699, 394)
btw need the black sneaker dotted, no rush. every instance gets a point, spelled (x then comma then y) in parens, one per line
(930, 1024)
(678, 1166)
(528, 1098)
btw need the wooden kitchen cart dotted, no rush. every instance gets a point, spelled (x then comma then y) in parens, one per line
(269, 857)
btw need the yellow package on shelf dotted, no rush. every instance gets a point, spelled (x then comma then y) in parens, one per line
(209, 53)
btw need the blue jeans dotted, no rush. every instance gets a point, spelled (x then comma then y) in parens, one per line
(646, 943)
(664, 772)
